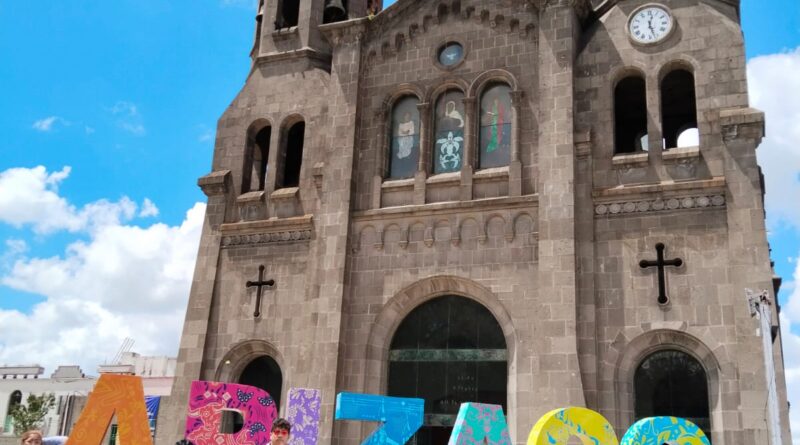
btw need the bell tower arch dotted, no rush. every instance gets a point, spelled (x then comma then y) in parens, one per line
(292, 26)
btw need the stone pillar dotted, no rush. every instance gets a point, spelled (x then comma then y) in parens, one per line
(381, 163)
(556, 374)
(333, 220)
(217, 186)
(742, 130)
(425, 152)
(515, 165)
(470, 148)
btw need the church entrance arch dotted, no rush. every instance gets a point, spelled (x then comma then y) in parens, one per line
(447, 351)
(255, 363)
(669, 382)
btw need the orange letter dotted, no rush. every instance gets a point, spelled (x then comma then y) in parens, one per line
(120, 394)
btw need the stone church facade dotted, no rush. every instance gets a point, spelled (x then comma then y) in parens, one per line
(453, 198)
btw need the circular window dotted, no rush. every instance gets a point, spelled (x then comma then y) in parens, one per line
(451, 54)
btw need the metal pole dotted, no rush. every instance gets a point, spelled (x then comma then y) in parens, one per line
(760, 305)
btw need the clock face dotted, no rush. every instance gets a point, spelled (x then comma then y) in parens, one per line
(650, 24)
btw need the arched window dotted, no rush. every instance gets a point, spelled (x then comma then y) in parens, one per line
(14, 400)
(448, 351)
(254, 174)
(448, 139)
(288, 14)
(630, 116)
(263, 373)
(495, 122)
(679, 110)
(292, 156)
(404, 146)
(672, 383)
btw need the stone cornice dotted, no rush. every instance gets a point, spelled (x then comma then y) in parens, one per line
(307, 53)
(741, 123)
(282, 230)
(445, 208)
(215, 183)
(660, 204)
(349, 31)
(702, 194)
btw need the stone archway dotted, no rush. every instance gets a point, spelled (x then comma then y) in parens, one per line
(650, 342)
(412, 296)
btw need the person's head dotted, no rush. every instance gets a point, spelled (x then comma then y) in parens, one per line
(32, 437)
(279, 434)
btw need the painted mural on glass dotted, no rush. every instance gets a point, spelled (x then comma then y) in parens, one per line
(405, 139)
(449, 135)
(495, 121)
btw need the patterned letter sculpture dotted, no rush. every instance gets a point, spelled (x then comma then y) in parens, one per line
(303, 415)
(660, 430)
(477, 422)
(400, 417)
(557, 426)
(113, 394)
(208, 400)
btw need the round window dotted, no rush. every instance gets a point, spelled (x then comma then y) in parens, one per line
(451, 54)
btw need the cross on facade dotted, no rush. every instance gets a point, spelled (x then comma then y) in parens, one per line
(260, 284)
(660, 262)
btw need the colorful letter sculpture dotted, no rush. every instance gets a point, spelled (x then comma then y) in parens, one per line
(401, 417)
(208, 400)
(303, 415)
(113, 394)
(660, 430)
(557, 426)
(477, 422)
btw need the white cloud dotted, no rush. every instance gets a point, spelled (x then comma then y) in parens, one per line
(29, 196)
(125, 108)
(148, 209)
(89, 130)
(775, 88)
(46, 124)
(126, 281)
(790, 325)
(128, 117)
(206, 136)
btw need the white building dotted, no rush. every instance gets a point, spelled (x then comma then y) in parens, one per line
(71, 388)
(68, 383)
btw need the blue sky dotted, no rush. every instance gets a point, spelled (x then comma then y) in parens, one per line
(126, 93)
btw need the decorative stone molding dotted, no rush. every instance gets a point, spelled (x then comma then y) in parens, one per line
(741, 123)
(284, 230)
(660, 204)
(215, 183)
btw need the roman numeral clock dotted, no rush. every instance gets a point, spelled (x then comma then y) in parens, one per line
(650, 24)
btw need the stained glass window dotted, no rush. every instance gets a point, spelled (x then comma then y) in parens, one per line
(672, 383)
(449, 135)
(448, 351)
(404, 150)
(495, 121)
(451, 54)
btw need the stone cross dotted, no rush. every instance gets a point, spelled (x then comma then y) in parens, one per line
(259, 284)
(660, 262)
